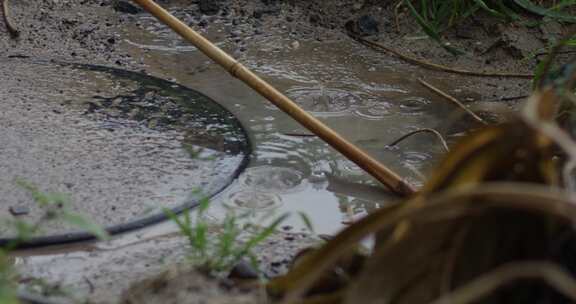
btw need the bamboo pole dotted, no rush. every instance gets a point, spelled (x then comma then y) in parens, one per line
(386, 176)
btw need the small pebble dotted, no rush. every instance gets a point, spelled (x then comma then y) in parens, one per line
(19, 210)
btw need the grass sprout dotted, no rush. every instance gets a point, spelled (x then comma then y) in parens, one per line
(436, 16)
(55, 207)
(219, 252)
(7, 282)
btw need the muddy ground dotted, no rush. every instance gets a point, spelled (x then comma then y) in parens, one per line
(95, 31)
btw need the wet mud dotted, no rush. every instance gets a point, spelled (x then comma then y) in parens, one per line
(300, 47)
(123, 145)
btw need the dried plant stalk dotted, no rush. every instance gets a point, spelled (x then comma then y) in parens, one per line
(555, 276)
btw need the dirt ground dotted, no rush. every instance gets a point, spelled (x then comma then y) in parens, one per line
(83, 30)
(88, 31)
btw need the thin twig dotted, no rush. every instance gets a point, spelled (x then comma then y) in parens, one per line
(546, 53)
(396, 18)
(444, 144)
(452, 99)
(435, 66)
(508, 98)
(14, 33)
(556, 277)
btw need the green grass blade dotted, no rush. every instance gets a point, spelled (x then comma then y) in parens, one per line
(85, 224)
(260, 237)
(491, 11)
(430, 30)
(307, 222)
(533, 8)
(544, 69)
(226, 242)
(184, 226)
(200, 239)
(40, 198)
(470, 11)
(563, 4)
(424, 9)
(426, 27)
(7, 288)
(203, 205)
(508, 11)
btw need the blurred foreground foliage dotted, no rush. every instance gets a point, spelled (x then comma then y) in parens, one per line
(494, 224)
(55, 207)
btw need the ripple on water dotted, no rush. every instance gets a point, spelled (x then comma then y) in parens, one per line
(349, 167)
(324, 101)
(272, 179)
(413, 105)
(375, 111)
(415, 158)
(157, 37)
(417, 162)
(253, 200)
(285, 151)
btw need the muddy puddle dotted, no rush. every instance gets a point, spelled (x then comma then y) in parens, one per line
(370, 98)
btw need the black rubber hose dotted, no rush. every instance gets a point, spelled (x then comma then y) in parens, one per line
(27, 298)
(147, 221)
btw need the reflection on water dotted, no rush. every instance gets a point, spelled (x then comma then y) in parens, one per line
(322, 101)
(272, 179)
(375, 112)
(414, 106)
(252, 200)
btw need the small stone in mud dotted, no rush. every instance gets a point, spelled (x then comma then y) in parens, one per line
(465, 32)
(126, 7)
(209, 7)
(258, 14)
(203, 23)
(314, 19)
(235, 33)
(363, 26)
(368, 26)
(243, 270)
(19, 210)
